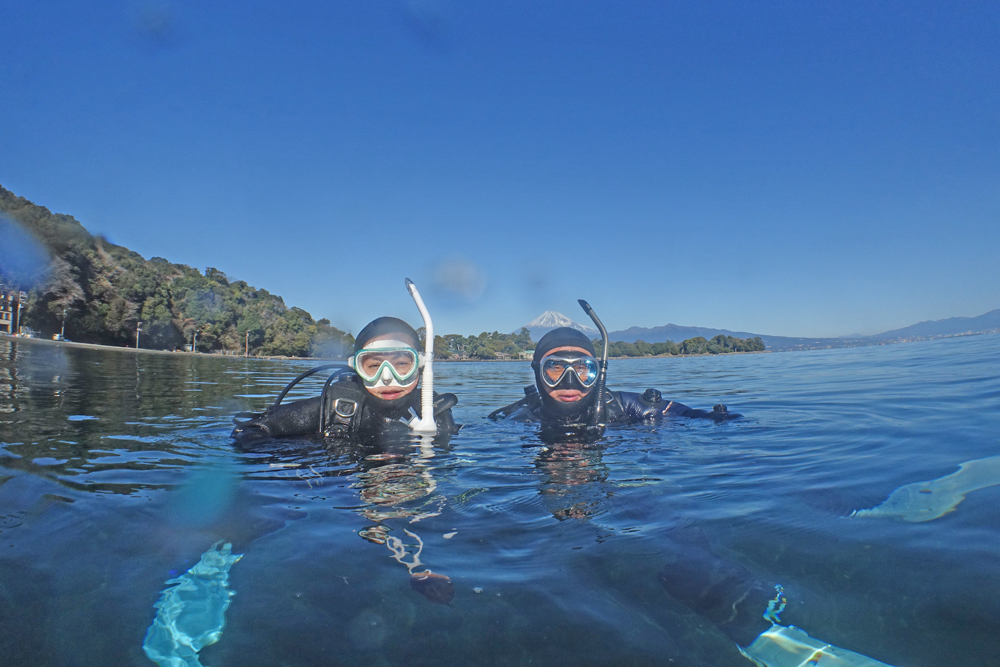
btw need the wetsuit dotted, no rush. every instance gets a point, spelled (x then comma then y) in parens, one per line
(346, 408)
(621, 407)
(581, 418)
(349, 411)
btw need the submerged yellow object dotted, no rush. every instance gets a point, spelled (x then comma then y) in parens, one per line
(925, 501)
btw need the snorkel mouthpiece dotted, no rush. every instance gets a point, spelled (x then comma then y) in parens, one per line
(425, 424)
(597, 417)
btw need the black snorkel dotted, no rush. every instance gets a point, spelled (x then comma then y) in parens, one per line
(598, 411)
(342, 368)
(244, 418)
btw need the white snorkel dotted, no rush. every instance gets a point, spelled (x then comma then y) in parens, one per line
(425, 423)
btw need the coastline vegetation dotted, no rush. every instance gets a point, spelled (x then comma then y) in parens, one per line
(699, 345)
(492, 346)
(485, 346)
(102, 291)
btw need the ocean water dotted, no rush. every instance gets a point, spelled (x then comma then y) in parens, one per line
(117, 474)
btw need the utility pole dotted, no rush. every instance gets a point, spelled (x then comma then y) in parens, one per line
(138, 329)
(62, 332)
(246, 354)
(194, 341)
(22, 298)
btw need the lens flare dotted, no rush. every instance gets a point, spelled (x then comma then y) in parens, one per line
(24, 261)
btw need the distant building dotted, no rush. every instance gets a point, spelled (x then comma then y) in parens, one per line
(10, 302)
(6, 316)
(8, 306)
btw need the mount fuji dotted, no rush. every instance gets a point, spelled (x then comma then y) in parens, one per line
(550, 320)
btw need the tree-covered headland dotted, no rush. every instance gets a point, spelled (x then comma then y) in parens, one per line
(104, 290)
(698, 345)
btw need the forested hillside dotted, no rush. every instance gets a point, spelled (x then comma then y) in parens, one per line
(105, 290)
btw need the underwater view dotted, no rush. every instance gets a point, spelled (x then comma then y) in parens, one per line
(859, 490)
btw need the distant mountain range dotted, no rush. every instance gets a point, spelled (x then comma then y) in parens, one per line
(931, 329)
(949, 327)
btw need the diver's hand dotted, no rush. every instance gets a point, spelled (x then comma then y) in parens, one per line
(721, 413)
(444, 402)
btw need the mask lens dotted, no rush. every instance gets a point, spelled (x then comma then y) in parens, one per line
(586, 370)
(554, 368)
(368, 363)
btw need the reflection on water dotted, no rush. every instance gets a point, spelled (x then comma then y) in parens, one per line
(567, 466)
(117, 474)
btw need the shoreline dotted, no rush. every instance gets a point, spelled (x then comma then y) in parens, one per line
(219, 355)
(650, 356)
(142, 350)
(99, 346)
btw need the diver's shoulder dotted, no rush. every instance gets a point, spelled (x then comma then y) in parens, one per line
(525, 409)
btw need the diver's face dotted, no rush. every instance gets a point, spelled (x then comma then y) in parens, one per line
(385, 388)
(559, 393)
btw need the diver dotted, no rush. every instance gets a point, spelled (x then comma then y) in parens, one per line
(569, 396)
(374, 398)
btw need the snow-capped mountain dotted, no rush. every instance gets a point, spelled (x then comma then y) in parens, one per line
(550, 320)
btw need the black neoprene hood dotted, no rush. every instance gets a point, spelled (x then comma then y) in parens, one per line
(383, 326)
(561, 337)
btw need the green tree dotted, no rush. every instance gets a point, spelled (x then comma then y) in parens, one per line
(441, 348)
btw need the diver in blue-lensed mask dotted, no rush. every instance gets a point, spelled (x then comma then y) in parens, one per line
(568, 397)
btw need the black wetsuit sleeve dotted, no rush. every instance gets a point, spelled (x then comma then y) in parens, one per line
(443, 418)
(506, 411)
(527, 409)
(650, 407)
(287, 420)
(633, 410)
(518, 412)
(719, 413)
(445, 423)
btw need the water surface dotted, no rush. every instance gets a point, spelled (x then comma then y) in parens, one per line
(117, 473)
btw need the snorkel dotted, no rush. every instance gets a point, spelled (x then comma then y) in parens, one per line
(597, 416)
(425, 423)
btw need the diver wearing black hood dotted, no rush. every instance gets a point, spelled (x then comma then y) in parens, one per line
(378, 399)
(568, 382)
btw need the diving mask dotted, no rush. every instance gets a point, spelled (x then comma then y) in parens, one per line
(555, 367)
(386, 362)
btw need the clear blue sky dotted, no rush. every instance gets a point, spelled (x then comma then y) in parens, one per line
(795, 168)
